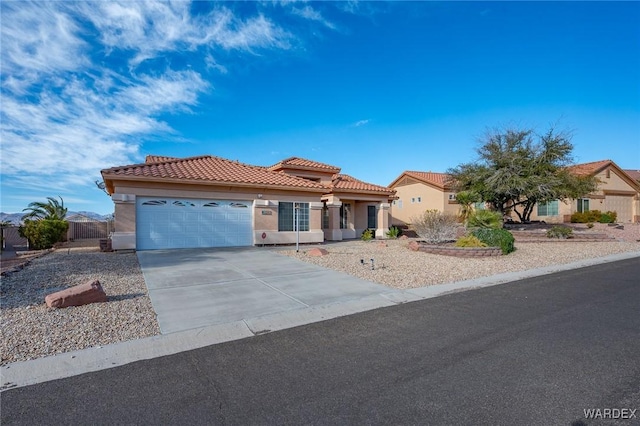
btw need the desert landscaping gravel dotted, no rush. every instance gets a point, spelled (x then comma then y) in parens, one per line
(398, 267)
(29, 329)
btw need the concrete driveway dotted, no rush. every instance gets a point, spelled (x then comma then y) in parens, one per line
(193, 288)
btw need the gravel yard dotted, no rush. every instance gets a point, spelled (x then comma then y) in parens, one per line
(398, 267)
(29, 329)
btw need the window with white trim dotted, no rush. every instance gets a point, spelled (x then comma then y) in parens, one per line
(548, 209)
(287, 216)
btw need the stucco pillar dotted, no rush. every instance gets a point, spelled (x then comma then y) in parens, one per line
(333, 233)
(124, 235)
(383, 220)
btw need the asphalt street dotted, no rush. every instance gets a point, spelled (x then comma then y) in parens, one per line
(536, 351)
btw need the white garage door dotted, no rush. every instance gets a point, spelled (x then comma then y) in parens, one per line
(188, 223)
(621, 204)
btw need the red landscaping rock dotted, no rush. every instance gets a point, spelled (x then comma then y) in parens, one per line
(413, 245)
(317, 252)
(83, 294)
(382, 244)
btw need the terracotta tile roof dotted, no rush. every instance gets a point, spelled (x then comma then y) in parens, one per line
(158, 159)
(635, 174)
(304, 164)
(591, 168)
(341, 182)
(436, 179)
(209, 169)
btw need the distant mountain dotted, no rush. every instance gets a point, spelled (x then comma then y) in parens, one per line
(16, 218)
(13, 218)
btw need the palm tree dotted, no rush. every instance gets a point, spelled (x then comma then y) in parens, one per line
(466, 199)
(52, 210)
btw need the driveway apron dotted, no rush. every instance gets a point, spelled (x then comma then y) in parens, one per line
(193, 288)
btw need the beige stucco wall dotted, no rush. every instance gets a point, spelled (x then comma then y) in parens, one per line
(431, 199)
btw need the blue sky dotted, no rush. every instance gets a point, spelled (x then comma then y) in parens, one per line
(372, 87)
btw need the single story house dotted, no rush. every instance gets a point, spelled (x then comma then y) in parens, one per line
(208, 201)
(618, 191)
(420, 191)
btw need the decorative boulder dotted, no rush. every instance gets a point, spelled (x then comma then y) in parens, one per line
(317, 252)
(413, 245)
(83, 294)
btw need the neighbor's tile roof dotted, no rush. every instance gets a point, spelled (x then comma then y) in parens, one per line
(341, 182)
(433, 178)
(302, 163)
(635, 174)
(209, 169)
(593, 167)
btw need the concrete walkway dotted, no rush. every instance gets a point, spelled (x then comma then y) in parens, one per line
(192, 288)
(364, 296)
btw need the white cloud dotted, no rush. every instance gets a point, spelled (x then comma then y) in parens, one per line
(312, 14)
(360, 123)
(76, 96)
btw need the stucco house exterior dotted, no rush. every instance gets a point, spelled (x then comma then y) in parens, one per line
(617, 191)
(209, 201)
(420, 191)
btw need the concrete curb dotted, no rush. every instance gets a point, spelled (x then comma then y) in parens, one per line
(69, 364)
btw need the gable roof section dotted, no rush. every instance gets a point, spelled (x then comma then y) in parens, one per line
(207, 170)
(595, 167)
(438, 180)
(592, 168)
(298, 163)
(343, 183)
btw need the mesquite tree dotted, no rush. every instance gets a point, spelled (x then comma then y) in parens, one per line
(517, 168)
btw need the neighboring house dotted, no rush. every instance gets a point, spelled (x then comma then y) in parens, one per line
(617, 191)
(210, 201)
(420, 191)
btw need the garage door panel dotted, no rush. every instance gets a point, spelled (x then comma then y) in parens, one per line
(622, 205)
(189, 223)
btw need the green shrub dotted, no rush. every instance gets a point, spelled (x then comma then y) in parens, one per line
(367, 235)
(485, 219)
(435, 226)
(44, 233)
(608, 217)
(469, 241)
(594, 216)
(562, 232)
(496, 238)
(394, 232)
